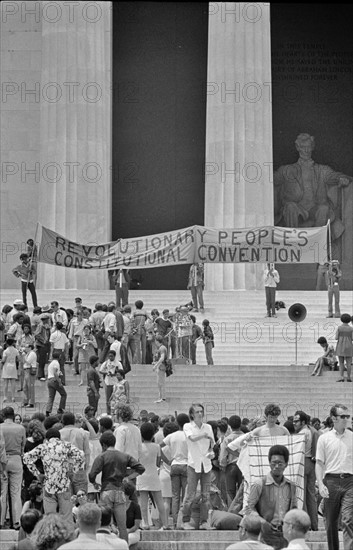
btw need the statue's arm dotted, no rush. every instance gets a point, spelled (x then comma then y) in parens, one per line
(332, 177)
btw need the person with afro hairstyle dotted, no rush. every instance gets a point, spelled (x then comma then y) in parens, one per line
(272, 496)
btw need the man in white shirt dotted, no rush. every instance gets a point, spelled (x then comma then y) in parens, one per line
(334, 474)
(59, 342)
(296, 523)
(200, 441)
(58, 315)
(177, 444)
(30, 373)
(55, 385)
(271, 278)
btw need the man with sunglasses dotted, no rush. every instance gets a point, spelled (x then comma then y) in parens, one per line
(334, 473)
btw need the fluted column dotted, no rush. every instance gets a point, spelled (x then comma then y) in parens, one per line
(238, 187)
(75, 187)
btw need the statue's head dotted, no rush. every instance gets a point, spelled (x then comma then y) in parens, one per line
(305, 144)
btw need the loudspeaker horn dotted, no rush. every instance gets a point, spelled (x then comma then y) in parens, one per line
(297, 313)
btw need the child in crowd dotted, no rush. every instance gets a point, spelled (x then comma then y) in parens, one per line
(133, 515)
(78, 500)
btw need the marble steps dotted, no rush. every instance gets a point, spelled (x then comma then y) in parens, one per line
(224, 390)
(184, 540)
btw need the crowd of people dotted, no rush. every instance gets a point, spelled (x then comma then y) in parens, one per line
(72, 478)
(116, 336)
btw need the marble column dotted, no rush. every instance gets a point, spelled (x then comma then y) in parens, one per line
(238, 171)
(75, 130)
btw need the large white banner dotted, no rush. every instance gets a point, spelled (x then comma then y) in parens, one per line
(185, 246)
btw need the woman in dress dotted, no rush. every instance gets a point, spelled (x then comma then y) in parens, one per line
(121, 391)
(9, 370)
(5, 322)
(149, 481)
(160, 368)
(344, 348)
(87, 346)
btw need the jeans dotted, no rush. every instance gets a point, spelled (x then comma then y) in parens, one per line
(115, 500)
(178, 477)
(53, 387)
(59, 503)
(197, 296)
(12, 482)
(93, 400)
(270, 292)
(340, 500)
(108, 394)
(334, 291)
(43, 357)
(75, 353)
(28, 387)
(193, 479)
(310, 502)
(138, 347)
(32, 289)
(208, 351)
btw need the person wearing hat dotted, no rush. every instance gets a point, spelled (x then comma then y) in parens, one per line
(16, 309)
(26, 272)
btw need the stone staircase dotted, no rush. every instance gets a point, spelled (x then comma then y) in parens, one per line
(243, 336)
(186, 540)
(223, 389)
(254, 365)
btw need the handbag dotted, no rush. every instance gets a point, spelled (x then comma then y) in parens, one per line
(168, 367)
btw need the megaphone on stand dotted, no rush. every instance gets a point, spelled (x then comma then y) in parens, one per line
(297, 314)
